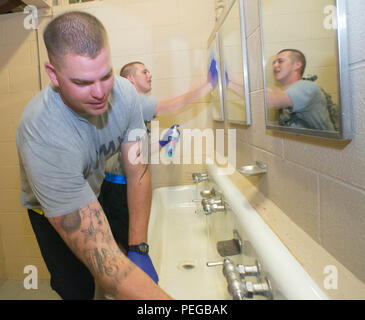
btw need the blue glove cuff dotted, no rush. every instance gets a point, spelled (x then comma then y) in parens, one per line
(144, 262)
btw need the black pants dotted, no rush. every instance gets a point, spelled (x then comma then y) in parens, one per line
(69, 276)
(113, 199)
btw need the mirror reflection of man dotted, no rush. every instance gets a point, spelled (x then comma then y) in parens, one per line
(302, 102)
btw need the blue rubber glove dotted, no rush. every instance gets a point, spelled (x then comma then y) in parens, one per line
(144, 262)
(227, 79)
(213, 73)
(173, 132)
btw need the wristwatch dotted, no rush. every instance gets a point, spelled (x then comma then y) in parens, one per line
(141, 248)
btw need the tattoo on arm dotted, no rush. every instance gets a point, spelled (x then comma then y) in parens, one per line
(142, 153)
(144, 172)
(87, 233)
(71, 222)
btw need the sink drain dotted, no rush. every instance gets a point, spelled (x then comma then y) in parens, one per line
(187, 265)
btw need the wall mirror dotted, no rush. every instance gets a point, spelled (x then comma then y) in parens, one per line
(227, 45)
(307, 88)
(234, 64)
(216, 101)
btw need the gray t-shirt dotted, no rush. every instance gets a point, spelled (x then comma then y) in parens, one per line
(62, 154)
(310, 105)
(114, 165)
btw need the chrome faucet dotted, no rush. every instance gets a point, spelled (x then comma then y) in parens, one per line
(244, 271)
(212, 205)
(199, 177)
(212, 208)
(237, 287)
(211, 201)
(210, 193)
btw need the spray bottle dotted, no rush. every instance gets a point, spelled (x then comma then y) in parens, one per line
(173, 138)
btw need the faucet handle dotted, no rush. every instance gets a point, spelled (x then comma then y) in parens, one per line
(215, 264)
(210, 208)
(199, 177)
(246, 271)
(207, 193)
(238, 287)
(260, 289)
(226, 262)
(209, 202)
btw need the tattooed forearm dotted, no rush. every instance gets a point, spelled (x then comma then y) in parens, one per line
(142, 154)
(91, 213)
(71, 222)
(102, 261)
(73, 244)
(88, 234)
(92, 226)
(94, 261)
(105, 262)
(144, 172)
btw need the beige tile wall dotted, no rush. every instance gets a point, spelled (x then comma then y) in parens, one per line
(2, 266)
(19, 82)
(318, 183)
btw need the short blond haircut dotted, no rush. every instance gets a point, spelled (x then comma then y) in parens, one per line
(77, 33)
(129, 69)
(296, 55)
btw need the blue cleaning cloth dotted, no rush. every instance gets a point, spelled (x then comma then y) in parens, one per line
(213, 73)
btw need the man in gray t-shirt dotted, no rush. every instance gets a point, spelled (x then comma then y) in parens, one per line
(309, 105)
(302, 102)
(65, 136)
(68, 149)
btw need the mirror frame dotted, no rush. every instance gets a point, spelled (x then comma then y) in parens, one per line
(215, 37)
(221, 80)
(345, 132)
